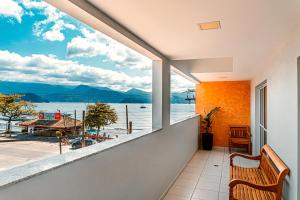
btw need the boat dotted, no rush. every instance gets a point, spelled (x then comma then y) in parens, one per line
(142, 107)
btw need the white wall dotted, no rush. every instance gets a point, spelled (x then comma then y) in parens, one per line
(140, 169)
(280, 71)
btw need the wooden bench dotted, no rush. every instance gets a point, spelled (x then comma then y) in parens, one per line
(239, 136)
(264, 182)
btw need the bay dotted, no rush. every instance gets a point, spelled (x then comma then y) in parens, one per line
(141, 117)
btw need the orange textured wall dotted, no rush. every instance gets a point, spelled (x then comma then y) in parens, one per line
(234, 99)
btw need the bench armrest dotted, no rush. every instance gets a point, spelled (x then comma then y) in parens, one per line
(243, 156)
(271, 187)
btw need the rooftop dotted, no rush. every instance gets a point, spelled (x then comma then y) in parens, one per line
(64, 122)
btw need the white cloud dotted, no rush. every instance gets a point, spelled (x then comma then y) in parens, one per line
(93, 43)
(10, 8)
(30, 4)
(50, 28)
(49, 69)
(54, 19)
(180, 84)
(55, 33)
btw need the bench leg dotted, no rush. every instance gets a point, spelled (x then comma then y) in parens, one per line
(231, 193)
(249, 148)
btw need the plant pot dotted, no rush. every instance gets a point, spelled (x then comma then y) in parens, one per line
(207, 141)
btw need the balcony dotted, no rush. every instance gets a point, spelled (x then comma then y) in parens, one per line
(248, 65)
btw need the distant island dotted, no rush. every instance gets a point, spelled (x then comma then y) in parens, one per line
(45, 93)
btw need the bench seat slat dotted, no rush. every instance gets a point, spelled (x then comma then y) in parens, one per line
(243, 192)
(253, 175)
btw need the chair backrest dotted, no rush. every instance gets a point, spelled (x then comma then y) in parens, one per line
(239, 131)
(273, 167)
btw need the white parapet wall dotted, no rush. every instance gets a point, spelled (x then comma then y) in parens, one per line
(141, 168)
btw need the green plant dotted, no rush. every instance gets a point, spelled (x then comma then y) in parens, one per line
(12, 107)
(100, 115)
(208, 119)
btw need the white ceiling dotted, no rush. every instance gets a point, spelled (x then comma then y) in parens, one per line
(250, 29)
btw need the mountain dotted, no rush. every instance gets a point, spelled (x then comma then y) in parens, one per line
(84, 93)
(85, 89)
(40, 92)
(179, 97)
(33, 98)
(40, 89)
(137, 96)
(135, 91)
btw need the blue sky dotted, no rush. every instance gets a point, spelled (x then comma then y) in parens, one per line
(39, 43)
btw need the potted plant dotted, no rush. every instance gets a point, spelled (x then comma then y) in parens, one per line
(207, 121)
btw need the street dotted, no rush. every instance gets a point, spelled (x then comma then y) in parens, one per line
(21, 152)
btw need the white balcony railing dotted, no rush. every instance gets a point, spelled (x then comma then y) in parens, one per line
(140, 166)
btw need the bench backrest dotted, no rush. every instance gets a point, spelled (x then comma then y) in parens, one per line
(239, 131)
(273, 167)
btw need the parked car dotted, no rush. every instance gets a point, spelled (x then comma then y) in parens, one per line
(77, 143)
(74, 140)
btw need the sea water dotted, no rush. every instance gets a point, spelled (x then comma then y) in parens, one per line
(139, 114)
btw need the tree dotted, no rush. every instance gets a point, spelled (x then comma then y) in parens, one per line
(12, 107)
(100, 115)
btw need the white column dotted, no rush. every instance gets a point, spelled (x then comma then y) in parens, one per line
(161, 94)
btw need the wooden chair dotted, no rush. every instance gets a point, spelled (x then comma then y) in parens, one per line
(263, 183)
(239, 136)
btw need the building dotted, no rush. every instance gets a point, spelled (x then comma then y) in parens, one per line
(48, 127)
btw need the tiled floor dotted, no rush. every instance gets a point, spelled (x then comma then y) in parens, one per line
(206, 177)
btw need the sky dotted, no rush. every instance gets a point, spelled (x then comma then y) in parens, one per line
(39, 43)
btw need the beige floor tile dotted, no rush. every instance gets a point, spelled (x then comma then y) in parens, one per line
(226, 175)
(196, 164)
(190, 173)
(225, 180)
(213, 168)
(212, 173)
(181, 191)
(189, 176)
(208, 186)
(205, 195)
(175, 197)
(223, 196)
(192, 169)
(226, 172)
(184, 182)
(201, 181)
(226, 162)
(224, 188)
(210, 178)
